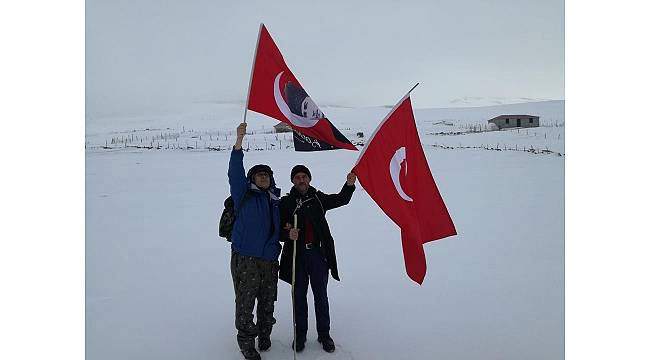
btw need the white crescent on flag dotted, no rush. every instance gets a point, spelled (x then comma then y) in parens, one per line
(395, 165)
(296, 120)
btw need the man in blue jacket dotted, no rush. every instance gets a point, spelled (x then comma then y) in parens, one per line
(255, 249)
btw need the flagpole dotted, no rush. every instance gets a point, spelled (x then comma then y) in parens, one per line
(293, 285)
(250, 78)
(382, 123)
(413, 88)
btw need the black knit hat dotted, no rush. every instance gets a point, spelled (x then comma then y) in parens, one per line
(300, 169)
(258, 168)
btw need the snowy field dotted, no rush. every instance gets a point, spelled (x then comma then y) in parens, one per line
(158, 280)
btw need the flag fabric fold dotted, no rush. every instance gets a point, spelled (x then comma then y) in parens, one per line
(274, 91)
(393, 170)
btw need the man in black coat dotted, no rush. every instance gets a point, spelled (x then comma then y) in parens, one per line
(315, 255)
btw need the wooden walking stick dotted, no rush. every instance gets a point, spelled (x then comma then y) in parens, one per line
(293, 286)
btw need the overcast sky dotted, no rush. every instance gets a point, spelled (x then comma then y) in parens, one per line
(151, 56)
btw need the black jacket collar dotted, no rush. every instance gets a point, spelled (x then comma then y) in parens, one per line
(295, 193)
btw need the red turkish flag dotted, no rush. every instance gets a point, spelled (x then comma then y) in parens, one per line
(275, 92)
(393, 170)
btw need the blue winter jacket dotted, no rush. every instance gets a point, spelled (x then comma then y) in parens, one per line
(257, 227)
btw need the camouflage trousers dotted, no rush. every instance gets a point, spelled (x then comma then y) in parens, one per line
(253, 279)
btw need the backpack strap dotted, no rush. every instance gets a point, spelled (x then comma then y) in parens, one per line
(247, 195)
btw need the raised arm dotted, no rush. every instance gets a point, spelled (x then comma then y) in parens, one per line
(241, 131)
(332, 201)
(236, 173)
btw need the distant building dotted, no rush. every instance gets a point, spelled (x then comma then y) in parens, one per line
(282, 128)
(513, 121)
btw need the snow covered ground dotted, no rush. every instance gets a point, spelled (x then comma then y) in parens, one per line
(158, 282)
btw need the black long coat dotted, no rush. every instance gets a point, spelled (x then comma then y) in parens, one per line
(314, 205)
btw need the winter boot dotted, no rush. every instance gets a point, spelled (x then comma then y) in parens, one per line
(264, 343)
(251, 354)
(327, 342)
(300, 339)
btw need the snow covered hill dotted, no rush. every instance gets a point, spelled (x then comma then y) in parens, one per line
(208, 127)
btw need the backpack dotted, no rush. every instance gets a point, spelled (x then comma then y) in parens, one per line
(228, 216)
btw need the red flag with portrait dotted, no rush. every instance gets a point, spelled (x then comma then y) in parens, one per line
(393, 170)
(274, 91)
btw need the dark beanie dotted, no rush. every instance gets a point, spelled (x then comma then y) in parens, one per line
(300, 169)
(259, 168)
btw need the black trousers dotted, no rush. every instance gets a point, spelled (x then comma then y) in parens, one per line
(253, 279)
(312, 268)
